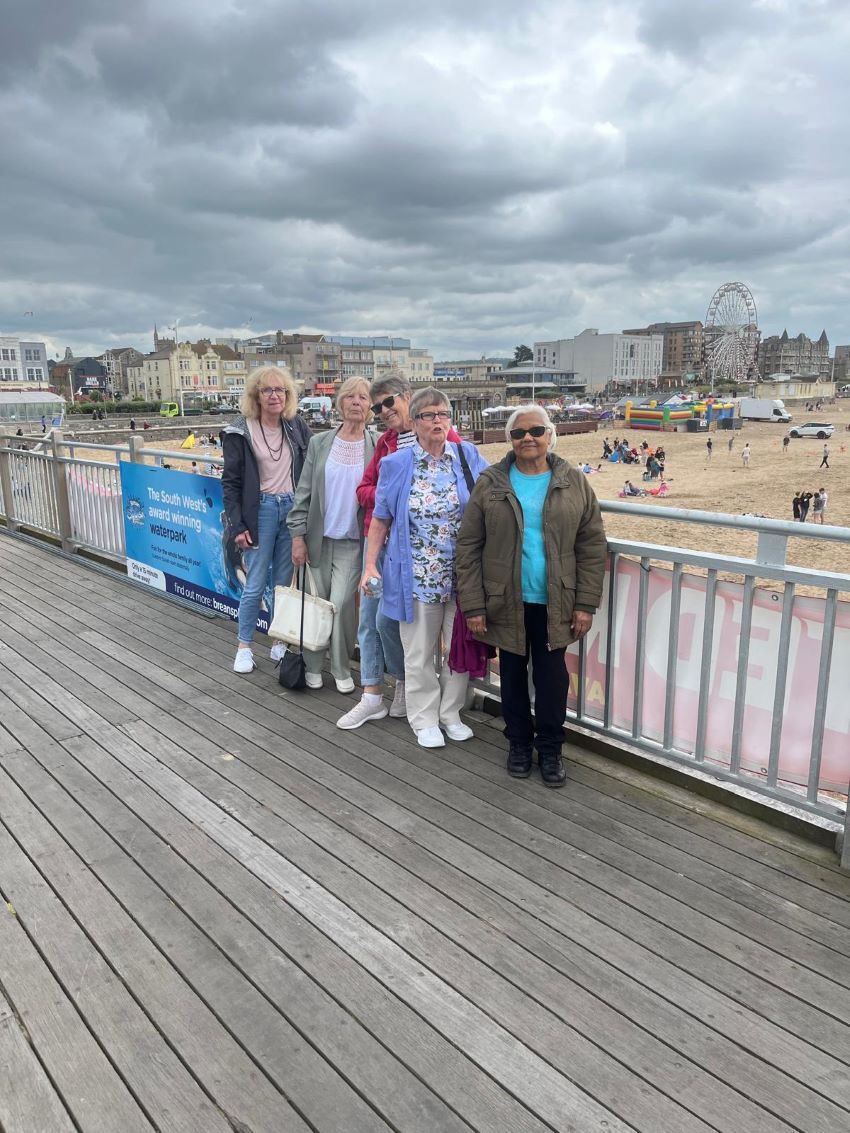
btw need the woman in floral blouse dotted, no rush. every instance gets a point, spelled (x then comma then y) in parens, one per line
(422, 492)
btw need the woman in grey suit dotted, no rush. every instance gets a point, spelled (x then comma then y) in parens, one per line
(326, 524)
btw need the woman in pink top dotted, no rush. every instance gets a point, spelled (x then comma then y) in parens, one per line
(263, 456)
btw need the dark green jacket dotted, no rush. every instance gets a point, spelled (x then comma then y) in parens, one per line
(489, 554)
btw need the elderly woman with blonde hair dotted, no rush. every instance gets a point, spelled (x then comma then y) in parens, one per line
(264, 452)
(326, 524)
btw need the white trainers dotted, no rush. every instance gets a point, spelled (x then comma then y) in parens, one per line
(277, 651)
(430, 737)
(361, 713)
(314, 680)
(244, 661)
(344, 685)
(458, 731)
(398, 708)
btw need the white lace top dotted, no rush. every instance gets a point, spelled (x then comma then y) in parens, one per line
(343, 472)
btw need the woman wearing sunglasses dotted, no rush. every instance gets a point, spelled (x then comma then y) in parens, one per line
(421, 495)
(377, 635)
(530, 566)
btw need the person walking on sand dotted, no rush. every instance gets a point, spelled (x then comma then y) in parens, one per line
(825, 459)
(786, 441)
(730, 442)
(745, 455)
(709, 448)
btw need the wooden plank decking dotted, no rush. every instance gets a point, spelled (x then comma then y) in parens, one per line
(222, 913)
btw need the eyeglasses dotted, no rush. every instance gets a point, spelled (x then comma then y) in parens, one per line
(273, 391)
(387, 403)
(534, 431)
(440, 415)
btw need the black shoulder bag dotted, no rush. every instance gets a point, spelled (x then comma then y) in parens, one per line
(292, 667)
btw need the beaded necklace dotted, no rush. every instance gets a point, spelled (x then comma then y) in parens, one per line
(275, 454)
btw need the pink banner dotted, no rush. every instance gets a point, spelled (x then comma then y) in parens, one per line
(801, 661)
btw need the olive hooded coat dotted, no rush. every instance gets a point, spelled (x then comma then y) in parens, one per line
(489, 554)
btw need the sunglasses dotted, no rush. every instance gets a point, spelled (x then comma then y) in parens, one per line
(534, 431)
(387, 403)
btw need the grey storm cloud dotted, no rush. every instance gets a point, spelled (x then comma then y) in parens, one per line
(467, 175)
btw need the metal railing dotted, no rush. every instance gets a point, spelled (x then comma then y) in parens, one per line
(715, 662)
(49, 490)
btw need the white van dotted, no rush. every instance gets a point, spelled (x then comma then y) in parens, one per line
(308, 405)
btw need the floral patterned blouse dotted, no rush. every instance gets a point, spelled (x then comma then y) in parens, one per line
(435, 517)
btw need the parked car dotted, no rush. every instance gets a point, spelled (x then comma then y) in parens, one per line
(819, 429)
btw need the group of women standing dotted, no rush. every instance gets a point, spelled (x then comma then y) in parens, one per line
(418, 522)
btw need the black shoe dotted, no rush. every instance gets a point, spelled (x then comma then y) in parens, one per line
(519, 760)
(551, 769)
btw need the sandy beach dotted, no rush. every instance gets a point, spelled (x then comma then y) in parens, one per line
(724, 485)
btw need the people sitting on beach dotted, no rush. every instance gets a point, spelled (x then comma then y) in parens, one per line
(629, 489)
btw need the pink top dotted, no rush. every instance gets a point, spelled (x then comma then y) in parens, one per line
(274, 458)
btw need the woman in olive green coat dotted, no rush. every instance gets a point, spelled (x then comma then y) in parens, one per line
(530, 566)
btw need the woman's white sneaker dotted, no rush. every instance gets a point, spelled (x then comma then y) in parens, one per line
(362, 712)
(430, 737)
(459, 731)
(244, 661)
(314, 680)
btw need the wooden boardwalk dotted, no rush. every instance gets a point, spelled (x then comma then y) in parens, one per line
(222, 914)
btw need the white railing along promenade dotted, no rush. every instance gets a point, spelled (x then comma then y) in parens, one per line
(713, 662)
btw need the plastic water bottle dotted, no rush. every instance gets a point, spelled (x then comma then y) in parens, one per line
(375, 586)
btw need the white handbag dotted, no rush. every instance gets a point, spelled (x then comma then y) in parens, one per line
(318, 613)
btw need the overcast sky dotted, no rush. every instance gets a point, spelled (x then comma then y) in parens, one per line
(469, 174)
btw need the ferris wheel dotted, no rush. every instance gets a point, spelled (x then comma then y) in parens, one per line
(731, 333)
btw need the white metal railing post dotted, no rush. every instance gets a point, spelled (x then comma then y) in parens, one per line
(7, 444)
(60, 485)
(137, 449)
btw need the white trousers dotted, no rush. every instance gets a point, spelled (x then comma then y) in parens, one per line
(337, 574)
(431, 700)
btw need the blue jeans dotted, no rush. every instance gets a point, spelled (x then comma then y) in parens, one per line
(273, 551)
(379, 641)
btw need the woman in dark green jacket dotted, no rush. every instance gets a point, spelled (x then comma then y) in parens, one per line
(530, 566)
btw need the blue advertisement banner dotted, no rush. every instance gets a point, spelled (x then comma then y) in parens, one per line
(174, 527)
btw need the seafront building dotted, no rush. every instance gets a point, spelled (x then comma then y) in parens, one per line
(683, 350)
(319, 362)
(117, 362)
(22, 363)
(175, 370)
(598, 360)
(79, 378)
(531, 382)
(780, 354)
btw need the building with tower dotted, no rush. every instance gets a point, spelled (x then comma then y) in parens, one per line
(781, 354)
